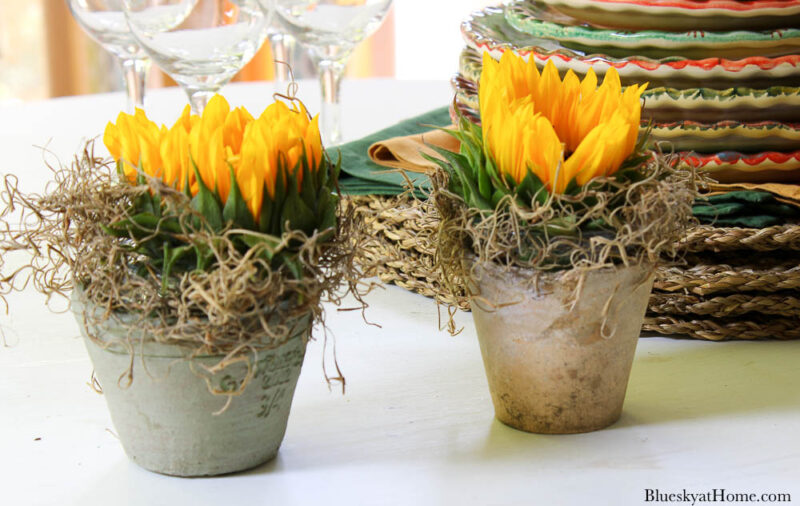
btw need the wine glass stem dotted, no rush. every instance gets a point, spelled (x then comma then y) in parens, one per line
(134, 72)
(279, 43)
(199, 98)
(330, 78)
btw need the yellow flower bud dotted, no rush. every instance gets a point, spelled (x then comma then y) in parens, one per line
(558, 129)
(220, 140)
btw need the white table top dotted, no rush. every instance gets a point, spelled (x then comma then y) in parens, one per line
(416, 425)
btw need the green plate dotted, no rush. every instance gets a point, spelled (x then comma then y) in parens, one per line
(540, 20)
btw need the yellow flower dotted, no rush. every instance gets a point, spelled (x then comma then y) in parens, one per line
(217, 142)
(559, 129)
(136, 140)
(280, 136)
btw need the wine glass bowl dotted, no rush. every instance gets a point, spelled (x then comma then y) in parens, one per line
(330, 30)
(104, 21)
(321, 23)
(201, 44)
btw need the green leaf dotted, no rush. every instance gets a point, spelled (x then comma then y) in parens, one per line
(494, 174)
(267, 211)
(291, 263)
(207, 204)
(327, 211)
(455, 160)
(531, 188)
(276, 226)
(140, 177)
(298, 215)
(509, 182)
(562, 226)
(271, 243)
(171, 256)
(187, 188)
(115, 230)
(497, 196)
(236, 210)
(121, 170)
(146, 220)
(204, 255)
(572, 187)
(484, 185)
(308, 187)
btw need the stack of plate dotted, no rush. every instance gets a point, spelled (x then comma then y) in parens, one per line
(724, 74)
(724, 92)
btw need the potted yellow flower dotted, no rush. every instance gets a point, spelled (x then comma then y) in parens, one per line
(553, 216)
(199, 259)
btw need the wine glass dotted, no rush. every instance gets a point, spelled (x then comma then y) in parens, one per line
(104, 21)
(201, 44)
(281, 44)
(330, 30)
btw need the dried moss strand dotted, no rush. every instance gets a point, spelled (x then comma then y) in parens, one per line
(241, 306)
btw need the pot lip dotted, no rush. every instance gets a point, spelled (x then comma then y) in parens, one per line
(490, 279)
(172, 351)
(495, 269)
(116, 327)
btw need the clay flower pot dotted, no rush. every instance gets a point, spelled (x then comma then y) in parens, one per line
(167, 420)
(553, 369)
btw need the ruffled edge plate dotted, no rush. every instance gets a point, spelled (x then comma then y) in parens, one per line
(724, 166)
(776, 103)
(684, 135)
(680, 15)
(729, 135)
(735, 167)
(540, 20)
(488, 31)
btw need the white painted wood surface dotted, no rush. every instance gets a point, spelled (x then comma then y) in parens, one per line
(416, 425)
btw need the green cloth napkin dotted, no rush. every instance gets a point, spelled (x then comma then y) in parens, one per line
(362, 176)
(750, 209)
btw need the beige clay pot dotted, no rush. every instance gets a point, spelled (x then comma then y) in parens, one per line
(553, 370)
(165, 418)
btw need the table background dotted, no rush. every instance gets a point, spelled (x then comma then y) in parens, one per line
(416, 424)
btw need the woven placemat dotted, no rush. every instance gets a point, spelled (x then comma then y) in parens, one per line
(722, 329)
(402, 251)
(710, 238)
(402, 254)
(705, 279)
(724, 306)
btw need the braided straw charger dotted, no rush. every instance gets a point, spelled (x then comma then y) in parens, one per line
(702, 300)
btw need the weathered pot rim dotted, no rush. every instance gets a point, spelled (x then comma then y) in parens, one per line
(148, 347)
(542, 280)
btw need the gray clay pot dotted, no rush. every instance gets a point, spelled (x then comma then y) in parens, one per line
(165, 418)
(553, 370)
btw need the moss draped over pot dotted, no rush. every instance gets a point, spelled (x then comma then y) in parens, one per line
(634, 217)
(243, 303)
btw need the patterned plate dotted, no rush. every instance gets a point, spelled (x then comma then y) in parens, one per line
(466, 91)
(683, 135)
(681, 15)
(724, 166)
(540, 20)
(488, 31)
(668, 105)
(777, 103)
(734, 167)
(728, 135)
